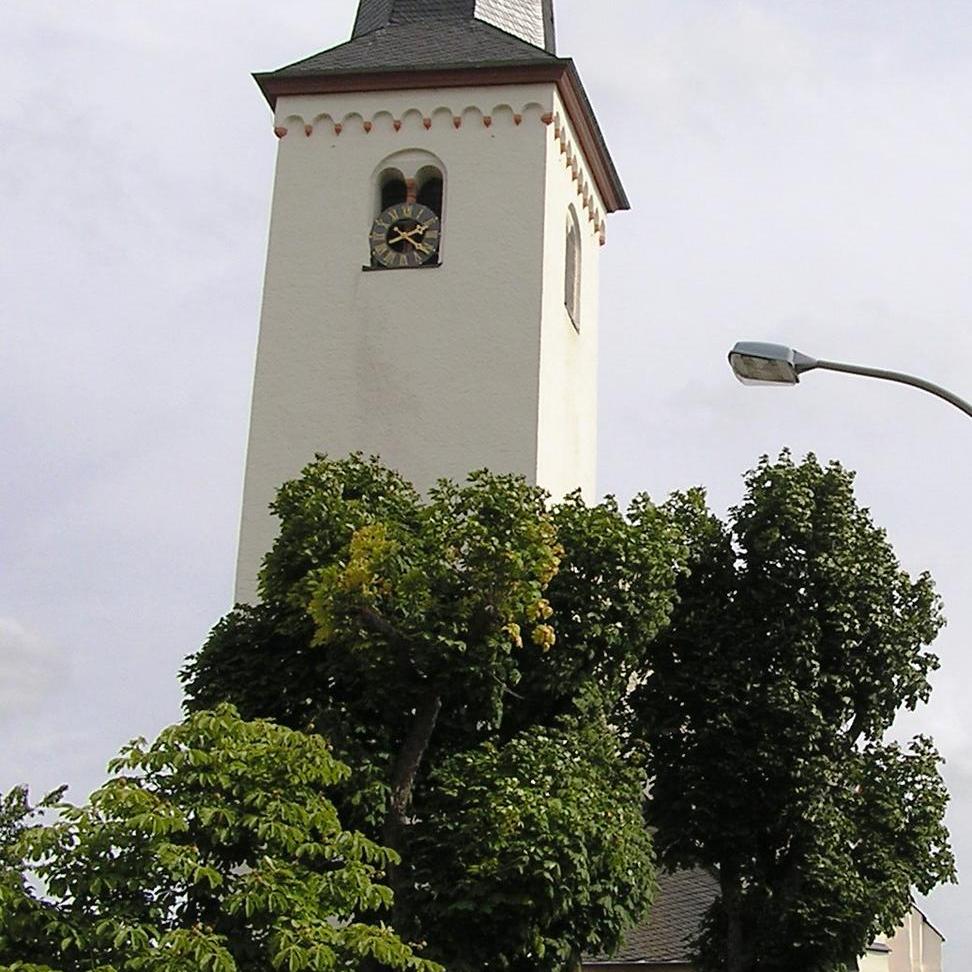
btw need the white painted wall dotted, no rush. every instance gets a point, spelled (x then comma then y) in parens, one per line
(567, 408)
(437, 371)
(874, 961)
(916, 947)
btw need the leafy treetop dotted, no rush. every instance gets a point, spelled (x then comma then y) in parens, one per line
(215, 849)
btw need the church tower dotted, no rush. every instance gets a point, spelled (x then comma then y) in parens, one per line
(431, 291)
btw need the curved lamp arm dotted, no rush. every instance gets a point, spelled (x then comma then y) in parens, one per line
(758, 363)
(902, 379)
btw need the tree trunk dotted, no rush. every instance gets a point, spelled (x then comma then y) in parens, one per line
(404, 773)
(731, 889)
(406, 769)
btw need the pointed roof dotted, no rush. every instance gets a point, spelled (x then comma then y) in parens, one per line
(399, 44)
(530, 20)
(414, 45)
(665, 937)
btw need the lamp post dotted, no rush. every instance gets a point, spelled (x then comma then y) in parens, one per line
(756, 363)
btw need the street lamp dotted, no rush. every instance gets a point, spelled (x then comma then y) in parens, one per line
(756, 363)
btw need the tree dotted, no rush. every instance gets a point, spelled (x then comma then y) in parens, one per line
(549, 797)
(215, 849)
(435, 641)
(796, 641)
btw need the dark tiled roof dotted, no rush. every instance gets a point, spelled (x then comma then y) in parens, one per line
(530, 20)
(681, 903)
(452, 43)
(682, 900)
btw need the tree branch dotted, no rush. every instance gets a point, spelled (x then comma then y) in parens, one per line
(380, 625)
(406, 767)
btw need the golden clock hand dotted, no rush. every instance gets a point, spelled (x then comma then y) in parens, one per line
(408, 237)
(422, 228)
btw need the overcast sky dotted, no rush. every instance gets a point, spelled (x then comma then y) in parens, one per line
(800, 171)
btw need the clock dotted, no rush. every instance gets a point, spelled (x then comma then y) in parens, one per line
(405, 235)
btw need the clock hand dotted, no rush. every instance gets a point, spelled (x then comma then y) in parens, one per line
(406, 236)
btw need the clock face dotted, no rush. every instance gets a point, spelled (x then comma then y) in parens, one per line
(405, 235)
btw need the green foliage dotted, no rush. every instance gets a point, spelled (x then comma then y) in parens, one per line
(416, 633)
(214, 849)
(797, 639)
(534, 851)
(16, 814)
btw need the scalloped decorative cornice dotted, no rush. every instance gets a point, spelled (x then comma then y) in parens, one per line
(413, 120)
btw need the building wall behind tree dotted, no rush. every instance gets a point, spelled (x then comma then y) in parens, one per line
(916, 947)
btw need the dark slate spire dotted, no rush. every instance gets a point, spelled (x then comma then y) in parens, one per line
(425, 35)
(529, 20)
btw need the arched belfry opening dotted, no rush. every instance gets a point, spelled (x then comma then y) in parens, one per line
(429, 188)
(392, 189)
(409, 199)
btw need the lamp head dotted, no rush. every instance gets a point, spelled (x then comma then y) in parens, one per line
(757, 363)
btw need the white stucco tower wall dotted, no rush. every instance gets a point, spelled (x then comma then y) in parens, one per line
(439, 370)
